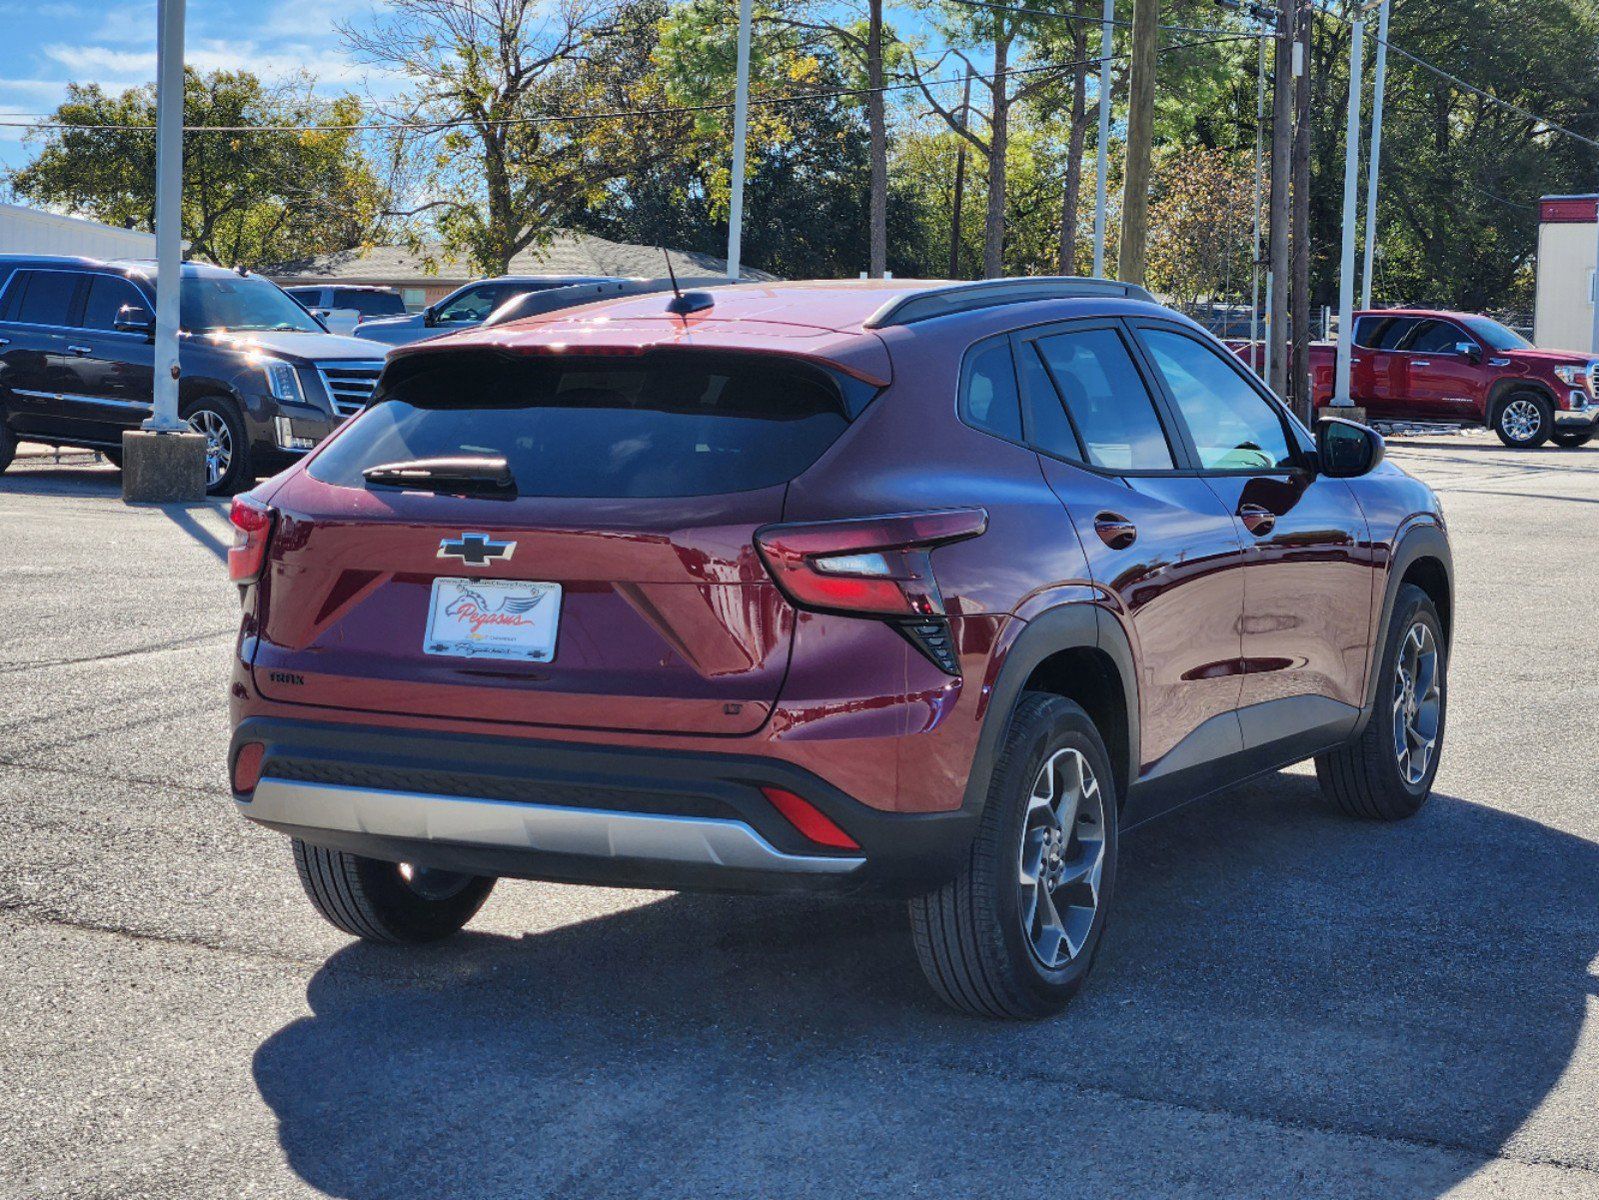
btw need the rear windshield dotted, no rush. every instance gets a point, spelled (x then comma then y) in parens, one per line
(664, 424)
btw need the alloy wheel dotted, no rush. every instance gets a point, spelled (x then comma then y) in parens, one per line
(218, 444)
(1521, 420)
(1062, 858)
(1418, 703)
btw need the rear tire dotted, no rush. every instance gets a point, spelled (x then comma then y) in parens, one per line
(388, 902)
(1524, 420)
(1570, 441)
(1378, 776)
(990, 943)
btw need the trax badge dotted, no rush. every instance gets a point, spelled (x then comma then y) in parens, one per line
(476, 549)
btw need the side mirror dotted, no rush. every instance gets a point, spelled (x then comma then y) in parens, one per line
(430, 316)
(1469, 351)
(1345, 449)
(133, 319)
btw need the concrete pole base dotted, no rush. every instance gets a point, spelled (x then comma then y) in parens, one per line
(162, 468)
(1349, 412)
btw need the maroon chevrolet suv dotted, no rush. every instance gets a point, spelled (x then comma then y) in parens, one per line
(912, 587)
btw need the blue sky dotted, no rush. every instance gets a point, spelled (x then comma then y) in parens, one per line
(112, 42)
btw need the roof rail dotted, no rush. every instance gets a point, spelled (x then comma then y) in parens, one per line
(990, 293)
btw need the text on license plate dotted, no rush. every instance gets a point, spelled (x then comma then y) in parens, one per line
(493, 618)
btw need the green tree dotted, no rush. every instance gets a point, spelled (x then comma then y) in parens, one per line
(254, 196)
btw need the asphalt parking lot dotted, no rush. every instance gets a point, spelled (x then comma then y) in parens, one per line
(1288, 1003)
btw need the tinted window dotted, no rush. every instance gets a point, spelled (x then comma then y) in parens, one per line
(474, 304)
(1368, 330)
(661, 425)
(310, 297)
(1233, 426)
(1047, 425)
(1435, 337)
(988, 394)
(1394, 332)
(107, 296)
(368, 304)
(47, 298)
(1107, 400)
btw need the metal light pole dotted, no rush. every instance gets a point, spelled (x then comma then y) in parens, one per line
(741, 106)
(1379, 80)
(1254, 251)
(1346, 265)
(168, 214)
(1107, 35)
(1593, 286)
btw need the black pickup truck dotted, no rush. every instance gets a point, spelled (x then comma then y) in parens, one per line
(262, 378)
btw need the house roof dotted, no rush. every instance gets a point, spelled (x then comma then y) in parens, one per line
(568, 253)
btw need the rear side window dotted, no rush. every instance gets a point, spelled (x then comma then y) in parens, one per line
(665, 424)
(1393, 332)
(988, 392)
(45, 297)
(1105, 395)
(1435, 337)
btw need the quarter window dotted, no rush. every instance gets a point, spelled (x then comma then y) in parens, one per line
(46, 298)
(1102, 390)
(989, 398)
(107, 296)
(1234, 427)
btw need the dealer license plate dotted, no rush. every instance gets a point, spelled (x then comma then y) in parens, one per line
(493, 618)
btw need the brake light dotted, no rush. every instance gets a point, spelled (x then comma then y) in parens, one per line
(252, 530)
(809, 820)
(878, 566)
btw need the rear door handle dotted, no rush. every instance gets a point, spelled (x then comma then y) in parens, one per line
(81, 351)
(1421, 362)
(1259, 521)
(1115, 530)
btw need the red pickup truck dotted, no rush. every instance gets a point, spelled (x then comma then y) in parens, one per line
(1461, 368)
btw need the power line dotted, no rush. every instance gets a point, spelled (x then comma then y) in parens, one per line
(619, 114)
(1091, 20)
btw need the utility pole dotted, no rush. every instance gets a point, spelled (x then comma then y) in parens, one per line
(168, 214)
(1379, 82)
(960, 182)
(1254, 245)
(1299, 317)
(1346, 258)
(741, 107)
(877, 235)
(1282, 122)
(1593, 287)
(1140, 139)
(1107, 46)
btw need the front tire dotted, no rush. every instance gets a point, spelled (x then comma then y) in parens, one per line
(1015, 933)
(1386, 773)
(388, 902)
(1525, 420)
(1570, 441)
(227, 446)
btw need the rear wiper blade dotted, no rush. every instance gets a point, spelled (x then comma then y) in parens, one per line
(474, 476)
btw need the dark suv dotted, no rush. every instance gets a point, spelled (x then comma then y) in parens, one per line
(933, 589)
(262, 378)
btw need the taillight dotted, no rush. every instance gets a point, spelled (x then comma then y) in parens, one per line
(876, 566)
(252, 530)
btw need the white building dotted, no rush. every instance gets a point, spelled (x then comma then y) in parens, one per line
(34, 231)
(1567, 233)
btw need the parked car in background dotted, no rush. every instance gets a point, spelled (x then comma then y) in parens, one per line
(583, 598)
(342, 308)
(1461, 369)
(262, 379)
(466, 307)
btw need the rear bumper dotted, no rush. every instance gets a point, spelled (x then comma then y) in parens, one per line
(580, 813)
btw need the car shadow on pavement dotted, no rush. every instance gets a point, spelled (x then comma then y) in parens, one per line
(1273, 975)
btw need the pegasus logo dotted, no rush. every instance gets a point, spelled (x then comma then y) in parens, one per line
(477, 612)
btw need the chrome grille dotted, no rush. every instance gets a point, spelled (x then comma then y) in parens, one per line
(349, 384)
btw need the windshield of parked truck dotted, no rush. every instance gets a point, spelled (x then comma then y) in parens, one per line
(1496, 336)
(213, 304)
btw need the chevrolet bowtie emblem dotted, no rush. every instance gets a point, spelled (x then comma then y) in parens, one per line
(476, 549)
